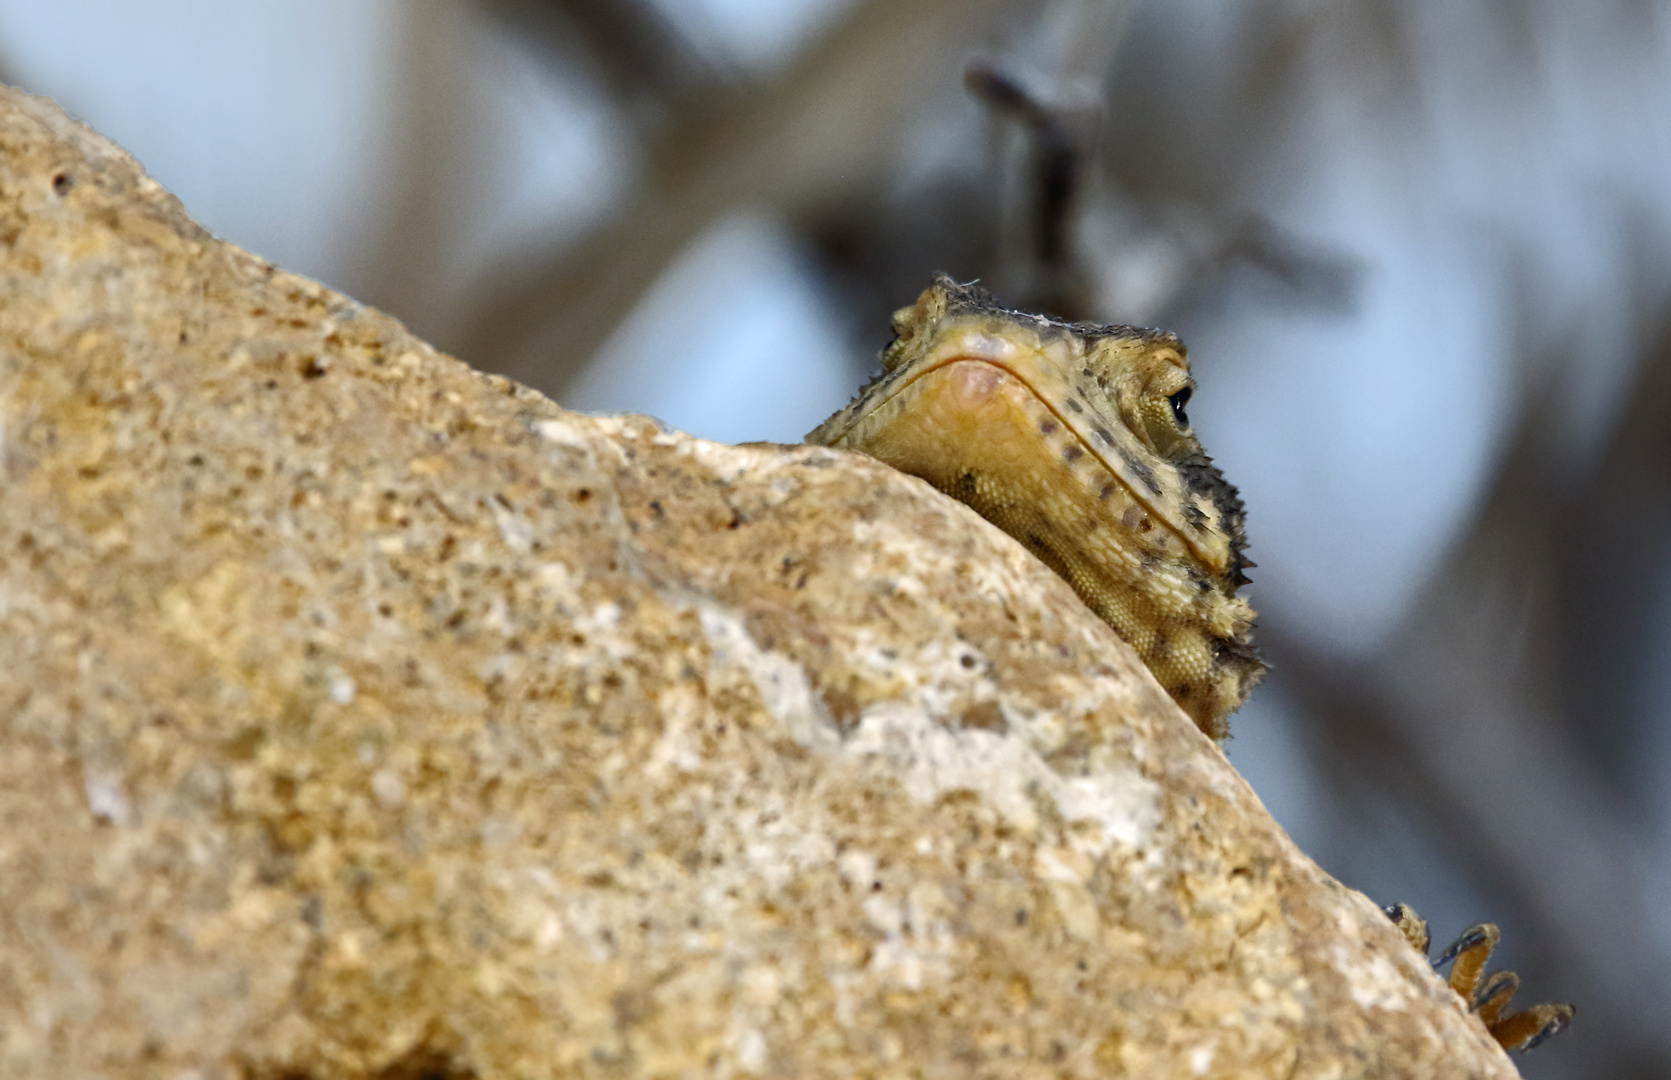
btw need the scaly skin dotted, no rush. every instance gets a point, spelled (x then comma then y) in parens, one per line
(1073, 439)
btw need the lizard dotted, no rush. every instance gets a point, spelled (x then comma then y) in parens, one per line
(1075, 440)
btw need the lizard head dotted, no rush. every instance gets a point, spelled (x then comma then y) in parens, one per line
(1075, 439)
(1136, 377)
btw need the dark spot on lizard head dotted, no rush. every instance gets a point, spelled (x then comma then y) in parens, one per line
(1193, 517)
(1157, 647)
(1239, 652)
(1106, 492)
(1072, 453)
(1073, 403)
(1048, 427)
(1102, 433)
(1140, 469)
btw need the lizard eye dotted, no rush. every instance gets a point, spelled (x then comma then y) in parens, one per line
(1178, 401)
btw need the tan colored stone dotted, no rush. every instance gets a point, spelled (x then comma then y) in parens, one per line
(363, 715)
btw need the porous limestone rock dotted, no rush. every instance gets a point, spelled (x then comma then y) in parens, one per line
(365, 716)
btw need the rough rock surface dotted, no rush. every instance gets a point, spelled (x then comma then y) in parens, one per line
(361, 715)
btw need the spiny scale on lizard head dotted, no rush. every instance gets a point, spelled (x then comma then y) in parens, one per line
(1073, 438)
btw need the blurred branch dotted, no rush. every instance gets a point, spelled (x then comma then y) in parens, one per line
(826, 129)
(1077, 242)
(641, 56)
(1050, 85)
(420, 224)
(1054, 162)
(1211, 248)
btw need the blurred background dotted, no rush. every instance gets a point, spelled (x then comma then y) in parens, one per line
(1420, 251)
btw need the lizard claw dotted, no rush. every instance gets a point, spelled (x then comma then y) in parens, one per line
(1487, 995)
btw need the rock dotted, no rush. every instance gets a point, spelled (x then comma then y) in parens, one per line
(365, 716)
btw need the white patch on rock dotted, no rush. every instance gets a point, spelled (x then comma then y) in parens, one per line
(614, 429)
(932, 760)
(555, 581)
(513, 527)
(601, 627)
(343, 689)
(857, 868)
(918, 944)
(1375, 983)
(1055, 865)
(388, 789)
(784, 689)
(563, 433)
(677, 751)
(1009, 772)
(497, 617)
(105, 797)
(729, 462)
(750, 1045)
(885, 914)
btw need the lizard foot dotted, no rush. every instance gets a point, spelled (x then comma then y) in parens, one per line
(1487, 995)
